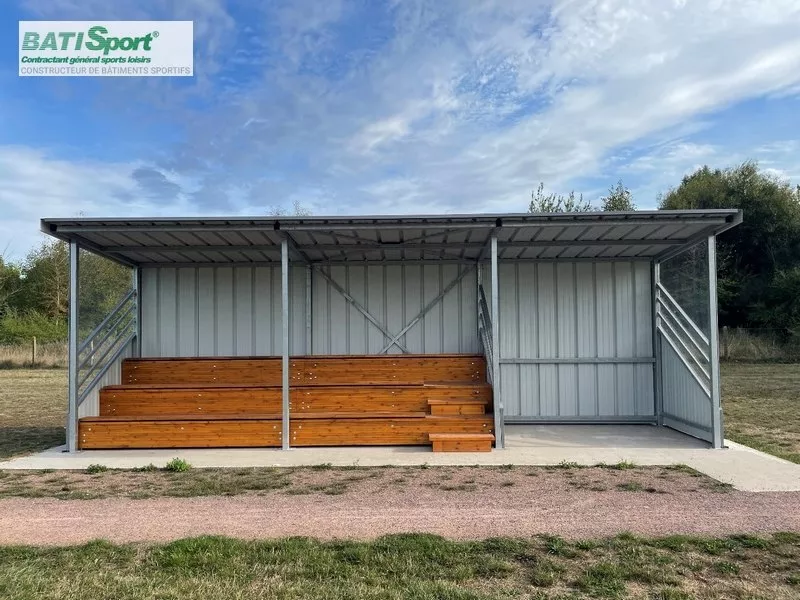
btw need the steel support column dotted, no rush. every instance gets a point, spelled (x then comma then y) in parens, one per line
(713, 339)
(72, 406)
(655, 277)
(309, 311)
(499, 409)
(285, 331)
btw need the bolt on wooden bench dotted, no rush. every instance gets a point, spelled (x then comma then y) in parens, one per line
(334, 401)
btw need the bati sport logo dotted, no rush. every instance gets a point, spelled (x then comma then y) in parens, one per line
(98, 40)
(115, 48)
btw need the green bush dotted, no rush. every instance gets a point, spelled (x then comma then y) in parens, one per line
(20, 328)
(177, 465)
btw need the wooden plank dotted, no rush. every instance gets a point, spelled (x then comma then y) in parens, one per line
(387, 431)
(179, 434)
(461, 442)
(265, 371)
(386, 370)
(348, 398)
(152, 400)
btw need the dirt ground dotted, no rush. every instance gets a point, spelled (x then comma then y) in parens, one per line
(459, 503)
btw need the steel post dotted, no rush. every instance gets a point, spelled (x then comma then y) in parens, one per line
(285, 324)
(72, 406)
(713, 338)
(499, 410)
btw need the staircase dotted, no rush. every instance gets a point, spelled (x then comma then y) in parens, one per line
(443, 400)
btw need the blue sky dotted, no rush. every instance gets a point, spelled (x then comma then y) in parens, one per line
(368, 107)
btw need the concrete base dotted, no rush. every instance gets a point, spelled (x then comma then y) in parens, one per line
(744, 468)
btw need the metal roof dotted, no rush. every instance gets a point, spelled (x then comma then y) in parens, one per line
(250, 240)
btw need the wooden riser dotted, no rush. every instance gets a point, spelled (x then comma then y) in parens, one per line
(315, 370)
(124, 401)
(386, 370)
(367, 430)
(462, 442)
(456, 408)
(381, 432)
(150, 400)
(179, 434)
(241, 371)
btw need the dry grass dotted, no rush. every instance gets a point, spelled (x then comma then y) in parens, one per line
(761, 404)
(411, 566)
(100, 482)
(33, 405)
(48, 356)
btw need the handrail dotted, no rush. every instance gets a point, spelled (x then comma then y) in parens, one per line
(703, 385)
(674, 302)
(105, 321)
(88, 388)
(485, 333)
(662, 323)
(703, 351)
(99, 363)
(125, 314)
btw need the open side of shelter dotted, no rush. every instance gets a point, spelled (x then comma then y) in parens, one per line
(390, 330)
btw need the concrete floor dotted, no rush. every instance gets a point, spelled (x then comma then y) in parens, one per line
(744, 468)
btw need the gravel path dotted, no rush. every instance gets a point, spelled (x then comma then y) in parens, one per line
(510, 511)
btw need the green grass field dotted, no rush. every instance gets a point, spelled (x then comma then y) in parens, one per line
(761, 405)
(410, 567)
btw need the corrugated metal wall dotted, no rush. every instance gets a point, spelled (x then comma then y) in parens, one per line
(394, 295)
(236, 311)
(685, 405)
(90, 407)
(576, 340)
(220, 311)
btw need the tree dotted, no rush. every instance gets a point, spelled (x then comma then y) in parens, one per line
(10, 284)
(548, 203)
(758, 259)
(619, 199)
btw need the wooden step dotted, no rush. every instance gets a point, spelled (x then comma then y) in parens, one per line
(307, 370)
(387, 370)
(449, 406)
(183, 399)
(461, 442)
(237, 371)
(384, 431)
(208, 399)
(171, 433)
(310, 429)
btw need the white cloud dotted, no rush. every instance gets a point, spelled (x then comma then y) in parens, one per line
(443, 106)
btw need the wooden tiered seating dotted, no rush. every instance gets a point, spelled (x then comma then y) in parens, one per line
(334, 401)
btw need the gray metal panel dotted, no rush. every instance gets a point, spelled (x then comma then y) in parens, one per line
(576, 310)
(394, 295)
(219, 311)
(684, 401)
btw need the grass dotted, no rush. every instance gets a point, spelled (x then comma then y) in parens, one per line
(761, 404)
(48, 356)
(409, 566)
(98, 481)
(33, 405)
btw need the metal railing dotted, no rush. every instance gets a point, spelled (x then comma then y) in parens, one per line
(485, 332)
(687, 340)
(104, 344)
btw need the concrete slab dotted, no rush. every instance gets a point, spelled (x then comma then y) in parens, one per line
(744, 468)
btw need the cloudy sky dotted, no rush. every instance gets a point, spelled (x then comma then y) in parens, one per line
(367, 107)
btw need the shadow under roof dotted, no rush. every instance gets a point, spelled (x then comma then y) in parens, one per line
(254, 240)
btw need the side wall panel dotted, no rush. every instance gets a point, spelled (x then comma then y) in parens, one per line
(686, 405)
(571, 334)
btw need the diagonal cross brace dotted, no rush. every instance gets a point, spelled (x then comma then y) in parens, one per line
(360, 308)
(393, 340)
